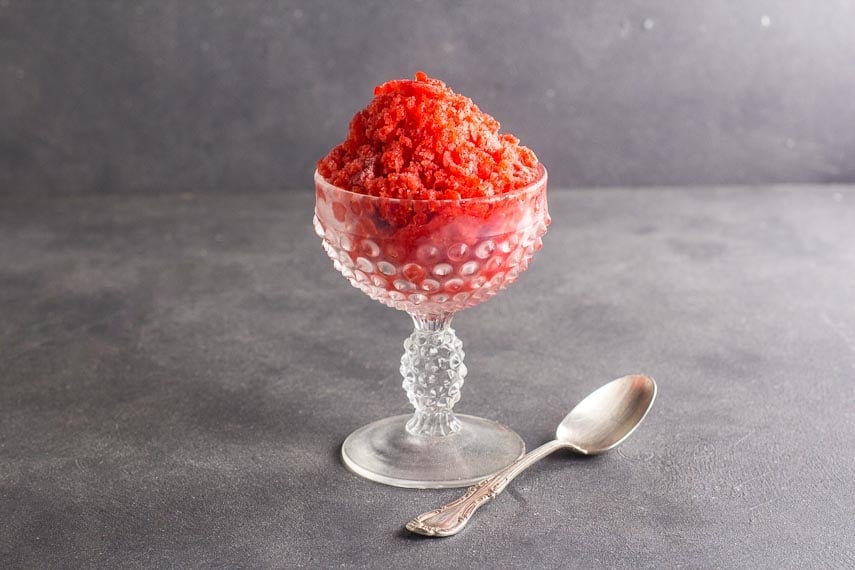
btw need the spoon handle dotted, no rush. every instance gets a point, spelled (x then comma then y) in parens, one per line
(451, 518)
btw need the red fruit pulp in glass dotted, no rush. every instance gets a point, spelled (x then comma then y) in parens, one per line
(427, 155)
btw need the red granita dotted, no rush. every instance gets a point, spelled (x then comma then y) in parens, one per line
(425, 206)
(420, 140)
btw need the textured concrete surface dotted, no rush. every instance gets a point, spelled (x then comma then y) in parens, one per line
(177, 374)
(183, 95)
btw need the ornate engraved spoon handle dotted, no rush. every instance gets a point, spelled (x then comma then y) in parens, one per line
(451, 518)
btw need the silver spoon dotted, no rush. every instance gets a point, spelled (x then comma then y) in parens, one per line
(598, 423)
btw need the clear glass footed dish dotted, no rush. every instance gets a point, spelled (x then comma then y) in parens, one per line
(431, 258)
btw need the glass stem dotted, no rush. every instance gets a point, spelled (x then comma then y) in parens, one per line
(433, 371)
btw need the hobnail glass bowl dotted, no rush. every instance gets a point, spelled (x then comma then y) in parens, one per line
(431, 258)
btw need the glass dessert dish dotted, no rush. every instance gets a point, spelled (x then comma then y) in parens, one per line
(431, 258)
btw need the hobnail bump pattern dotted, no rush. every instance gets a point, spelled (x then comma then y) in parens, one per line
(433, 371)
(425, 289)
(445, 270)
(432, 259)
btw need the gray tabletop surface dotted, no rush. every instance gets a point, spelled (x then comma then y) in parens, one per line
(177, 374)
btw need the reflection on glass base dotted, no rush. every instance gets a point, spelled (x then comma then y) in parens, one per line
(384, 451)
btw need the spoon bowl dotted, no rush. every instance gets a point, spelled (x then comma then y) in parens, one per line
(607, 416)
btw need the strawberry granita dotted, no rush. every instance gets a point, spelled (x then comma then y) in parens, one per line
(419, 139)
(426, 206)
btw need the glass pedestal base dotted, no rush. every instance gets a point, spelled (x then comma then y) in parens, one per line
(384, 451)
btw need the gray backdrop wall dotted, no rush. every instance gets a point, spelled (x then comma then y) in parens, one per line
(193, 95)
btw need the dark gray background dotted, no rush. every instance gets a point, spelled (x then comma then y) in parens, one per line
(192, 95)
